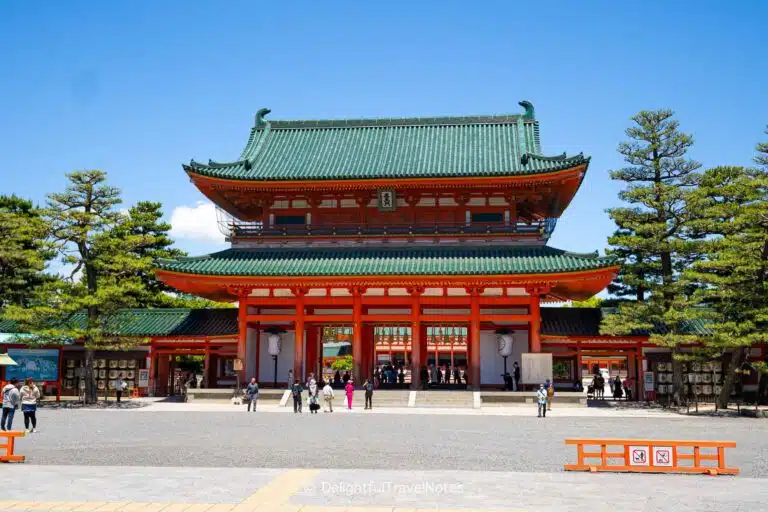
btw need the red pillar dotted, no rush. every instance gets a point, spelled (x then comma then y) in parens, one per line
(242, 336)
(474, 340)
(257, 344)
(206, 365)
(640, 387)
(357, 335)
(418, 349)
(534, 326)
(298, 338)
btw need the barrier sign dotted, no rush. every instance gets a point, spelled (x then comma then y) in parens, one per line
(143, 378)
(638, 455)
(662, 456)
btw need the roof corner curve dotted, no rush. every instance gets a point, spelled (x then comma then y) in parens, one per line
(530, 112)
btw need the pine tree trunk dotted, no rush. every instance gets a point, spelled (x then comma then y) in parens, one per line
(90, 378)
(729, 379)
(677, 379)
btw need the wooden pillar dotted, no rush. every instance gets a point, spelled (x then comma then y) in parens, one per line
(474, 339)
(418, 350)
(357, 334)
(534, 326)
(206, 365)
(61, 374)
(640, 387)
(298, 337)
(257, 332)
(578, 361)
(242, 336)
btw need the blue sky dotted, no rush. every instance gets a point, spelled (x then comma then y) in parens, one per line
(137, 88)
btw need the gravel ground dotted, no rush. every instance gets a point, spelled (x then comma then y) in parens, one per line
(347, 441)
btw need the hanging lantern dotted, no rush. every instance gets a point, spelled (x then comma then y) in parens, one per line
(505, 342)
(275, 344)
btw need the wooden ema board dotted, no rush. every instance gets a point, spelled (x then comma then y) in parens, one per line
(651, 456)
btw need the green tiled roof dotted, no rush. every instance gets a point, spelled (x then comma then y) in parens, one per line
(504, 145)
(161, 322)
(586, 322)
(352, 261)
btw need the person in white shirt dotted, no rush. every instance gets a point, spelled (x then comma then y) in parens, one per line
(327, 397)
(30, 394)
(120, 386)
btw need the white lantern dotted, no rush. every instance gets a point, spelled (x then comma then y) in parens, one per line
(505, 345)
(275, 344)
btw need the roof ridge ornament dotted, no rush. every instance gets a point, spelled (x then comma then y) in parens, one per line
(530, 113)
(260, 114)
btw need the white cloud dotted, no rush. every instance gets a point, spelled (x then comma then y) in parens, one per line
(196, 223)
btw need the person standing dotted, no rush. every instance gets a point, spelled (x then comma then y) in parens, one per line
(617, 388)
(541, 399)
(290, 379)
(516, 375)
(119, 386)
(327, 397)
(349, 389)
(296, 390)
(550, 394)
(11, 399)
(368, 387)
(30, 394)
(313, 395)
(252, 393)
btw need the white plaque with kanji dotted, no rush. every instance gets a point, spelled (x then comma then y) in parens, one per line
(662, 456)
(638, 455)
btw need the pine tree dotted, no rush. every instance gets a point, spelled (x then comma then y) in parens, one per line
(733, 218)
(762, 153)
(660, 179)
(24, 251)
(146, 239)
(103, 274)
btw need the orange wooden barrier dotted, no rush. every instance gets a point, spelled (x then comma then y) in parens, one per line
(10, 439)
(652, 456)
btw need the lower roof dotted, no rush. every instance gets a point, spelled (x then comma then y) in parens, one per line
(392, 261)
(555, 321)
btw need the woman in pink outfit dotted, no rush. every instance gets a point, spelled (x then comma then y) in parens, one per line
(350, 389)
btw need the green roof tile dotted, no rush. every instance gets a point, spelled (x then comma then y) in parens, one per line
(586, 322)
(160, 322)
(350, 261)
(504, 145)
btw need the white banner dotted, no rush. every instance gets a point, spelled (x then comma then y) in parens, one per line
(535, 368)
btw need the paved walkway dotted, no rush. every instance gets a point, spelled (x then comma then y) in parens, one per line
(512, 410)
(147, 489)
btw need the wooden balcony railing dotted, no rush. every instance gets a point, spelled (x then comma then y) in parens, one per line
(241, 229)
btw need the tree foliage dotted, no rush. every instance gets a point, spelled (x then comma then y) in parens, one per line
(104, 273)
(653, 232)
(592, 302)
(732, 203)
(24, 251)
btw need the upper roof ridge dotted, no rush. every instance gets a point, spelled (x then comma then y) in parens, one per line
(262, 123)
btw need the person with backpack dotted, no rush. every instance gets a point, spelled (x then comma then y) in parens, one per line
(368, 387)
(296, 390)
(252, 394)
(11, 399)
